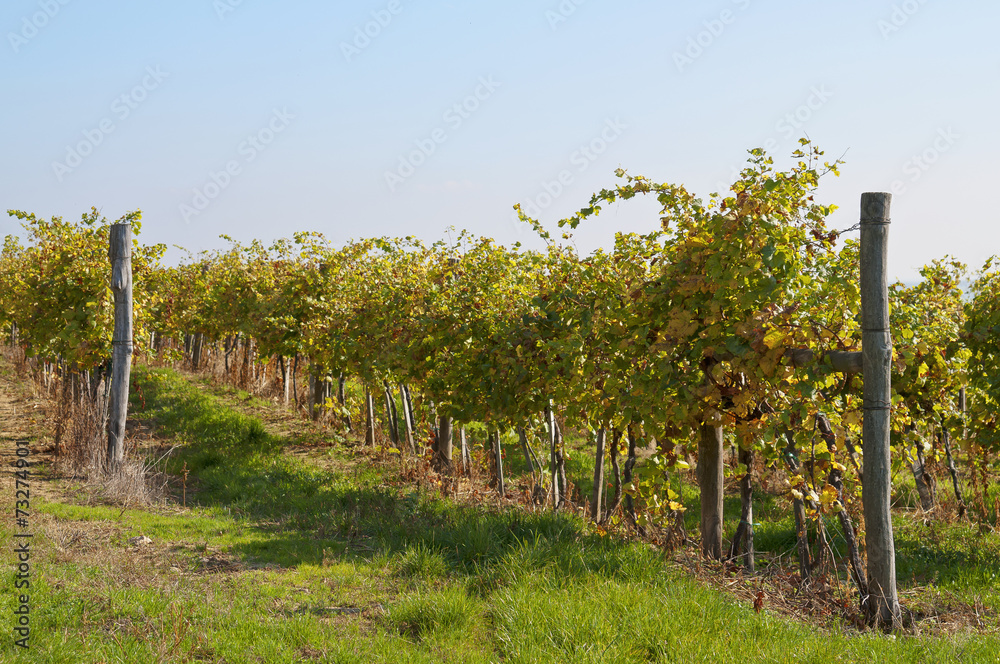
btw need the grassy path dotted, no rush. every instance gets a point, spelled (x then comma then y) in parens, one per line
(289, 551)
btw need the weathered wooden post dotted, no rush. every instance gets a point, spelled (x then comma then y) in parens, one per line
(341, 399)
(598, 494)
(408, 420)
(313, 412)
(550, 418)
(196, 346)
(409, 408)
(876, 346)
(391, 416)
(369, 418)
(444, 450)
(526, 451)
(120, 253)
(498, 458)
(710, 481)
(466, 454)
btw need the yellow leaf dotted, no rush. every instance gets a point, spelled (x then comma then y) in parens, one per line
(774, 339)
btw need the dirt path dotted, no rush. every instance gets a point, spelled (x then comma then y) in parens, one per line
(10, 425)
(23, 417)
(12, 429)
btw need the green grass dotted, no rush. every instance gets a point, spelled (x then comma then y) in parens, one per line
(338, 562)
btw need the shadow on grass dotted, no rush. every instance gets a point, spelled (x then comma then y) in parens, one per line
(951, 555)
(306, 515)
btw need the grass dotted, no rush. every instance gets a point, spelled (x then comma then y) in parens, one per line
(280, 559)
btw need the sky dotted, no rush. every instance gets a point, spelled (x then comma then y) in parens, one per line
(258, 119)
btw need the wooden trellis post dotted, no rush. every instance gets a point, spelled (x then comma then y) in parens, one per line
(120, 253)
(876, 347)
(550, 418)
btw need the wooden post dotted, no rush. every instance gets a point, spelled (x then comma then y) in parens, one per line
(443, 454)
(876, 346)
(313, 414)
(498, 456)
(369, 418)
(342, 400)
(196, 346)
(286, 371)
(120, 253)
(409, 408)
(466, 454)
(553, 462)
(526, 450)
(390, 415)
(408, 420)
(598, 495)
(710, 480)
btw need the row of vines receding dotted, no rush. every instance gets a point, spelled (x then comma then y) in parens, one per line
(724, 340)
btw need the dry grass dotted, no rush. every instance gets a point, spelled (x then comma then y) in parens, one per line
(137, 482)
(77, 418)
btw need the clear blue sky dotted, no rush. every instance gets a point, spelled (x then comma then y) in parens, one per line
(309, 116)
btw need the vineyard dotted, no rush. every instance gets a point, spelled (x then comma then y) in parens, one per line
(723, 358)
